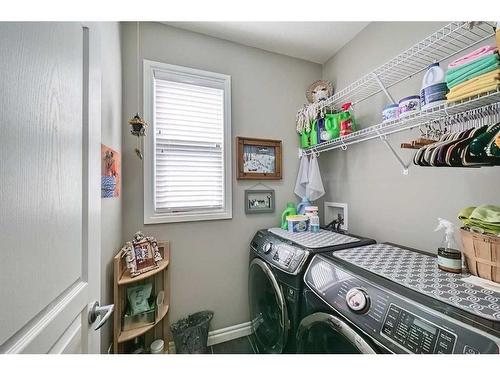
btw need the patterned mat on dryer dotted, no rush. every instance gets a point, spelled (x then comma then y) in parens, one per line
(420, 273)
(324, 238)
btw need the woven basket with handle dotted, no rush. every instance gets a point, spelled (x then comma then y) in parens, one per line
(482, 253)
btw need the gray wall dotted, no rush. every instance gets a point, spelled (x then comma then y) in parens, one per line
(111, 135)
(210, 259)
(383, 203)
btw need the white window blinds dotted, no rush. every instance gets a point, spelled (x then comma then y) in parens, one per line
(189, 146)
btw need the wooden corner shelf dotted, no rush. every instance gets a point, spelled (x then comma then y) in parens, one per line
(160, 279)
(133, 333)
(127, 279)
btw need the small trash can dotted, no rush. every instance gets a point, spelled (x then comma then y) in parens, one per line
(191, 333)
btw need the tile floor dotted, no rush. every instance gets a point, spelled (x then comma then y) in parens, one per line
(242, 345)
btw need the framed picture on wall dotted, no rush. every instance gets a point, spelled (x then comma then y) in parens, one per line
(259, 201)
(258, 159)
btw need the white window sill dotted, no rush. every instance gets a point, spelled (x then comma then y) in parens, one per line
(183, 217)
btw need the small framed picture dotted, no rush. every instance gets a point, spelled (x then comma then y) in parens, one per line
(259, 201)
(258, 159)
(144, 256)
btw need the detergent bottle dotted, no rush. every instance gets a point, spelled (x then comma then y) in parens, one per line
(434, 87)
(309, 138)
(449, 255)
(301, 207)
(347, 124)
(290, 210)
(331, 128)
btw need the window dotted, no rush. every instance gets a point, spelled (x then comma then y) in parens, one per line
(187, 156)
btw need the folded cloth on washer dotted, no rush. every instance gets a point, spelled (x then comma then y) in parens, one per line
(473, 56)
(474, 69)
(486, 218)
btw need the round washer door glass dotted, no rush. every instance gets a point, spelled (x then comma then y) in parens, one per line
(322, 333)
(267, 308)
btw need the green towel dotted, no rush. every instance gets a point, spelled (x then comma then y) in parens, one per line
(471, 70)
(485, 218)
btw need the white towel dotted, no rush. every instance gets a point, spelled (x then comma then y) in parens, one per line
(302, 177)
(314, 189)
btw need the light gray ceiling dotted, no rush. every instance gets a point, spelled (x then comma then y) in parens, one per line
(312, 41)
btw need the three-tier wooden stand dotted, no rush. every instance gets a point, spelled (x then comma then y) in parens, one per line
(160, 278)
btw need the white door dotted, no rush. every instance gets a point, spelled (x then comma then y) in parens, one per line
(49, 193)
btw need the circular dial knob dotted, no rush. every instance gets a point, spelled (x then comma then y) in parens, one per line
(267, 247)
(357, 300)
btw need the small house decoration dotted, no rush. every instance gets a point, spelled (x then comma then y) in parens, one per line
(141, 254)
(138, 129)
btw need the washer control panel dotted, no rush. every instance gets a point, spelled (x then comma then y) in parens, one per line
(281, 254)
(417, 334)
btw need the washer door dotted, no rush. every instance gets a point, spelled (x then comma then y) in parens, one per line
(324, 333)
(268, 311)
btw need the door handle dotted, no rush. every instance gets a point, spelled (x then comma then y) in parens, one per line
(104, 312)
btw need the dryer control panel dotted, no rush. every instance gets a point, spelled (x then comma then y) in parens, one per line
(279, 253)
(398, 323)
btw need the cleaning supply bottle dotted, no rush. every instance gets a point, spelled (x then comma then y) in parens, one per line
(301, 207)
(434, 87)
(347, 123)
(290, 210)
(332, 126)
(449, 255)
(309, 138)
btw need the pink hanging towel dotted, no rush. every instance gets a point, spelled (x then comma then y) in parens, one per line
(474, 55)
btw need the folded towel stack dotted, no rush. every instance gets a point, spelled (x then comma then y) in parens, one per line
(485, 219)
(473, 74)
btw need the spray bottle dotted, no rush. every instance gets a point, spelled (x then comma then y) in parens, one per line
(449, 255)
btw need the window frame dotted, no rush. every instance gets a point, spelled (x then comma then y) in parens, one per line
(188, 75)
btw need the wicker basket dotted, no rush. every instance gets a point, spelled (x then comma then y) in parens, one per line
(482, 253)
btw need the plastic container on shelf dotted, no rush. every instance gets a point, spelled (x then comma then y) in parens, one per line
(346, 118)
(390, 112)
(434, 87)
(329, 127)
(309, 138)
(409, 105)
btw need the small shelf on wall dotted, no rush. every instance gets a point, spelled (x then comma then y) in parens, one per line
(442, 112)
(133, 333)
(127, 279)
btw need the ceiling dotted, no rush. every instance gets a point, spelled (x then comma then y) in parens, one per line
(312, 41)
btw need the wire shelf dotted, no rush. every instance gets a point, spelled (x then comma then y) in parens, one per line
(479, 104)
(445, 43)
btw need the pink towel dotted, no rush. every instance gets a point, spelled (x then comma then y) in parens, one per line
(474, 55)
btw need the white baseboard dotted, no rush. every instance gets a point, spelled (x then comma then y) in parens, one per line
(229, 333)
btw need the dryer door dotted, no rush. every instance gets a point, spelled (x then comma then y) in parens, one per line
(321, 333)
(268, 311)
